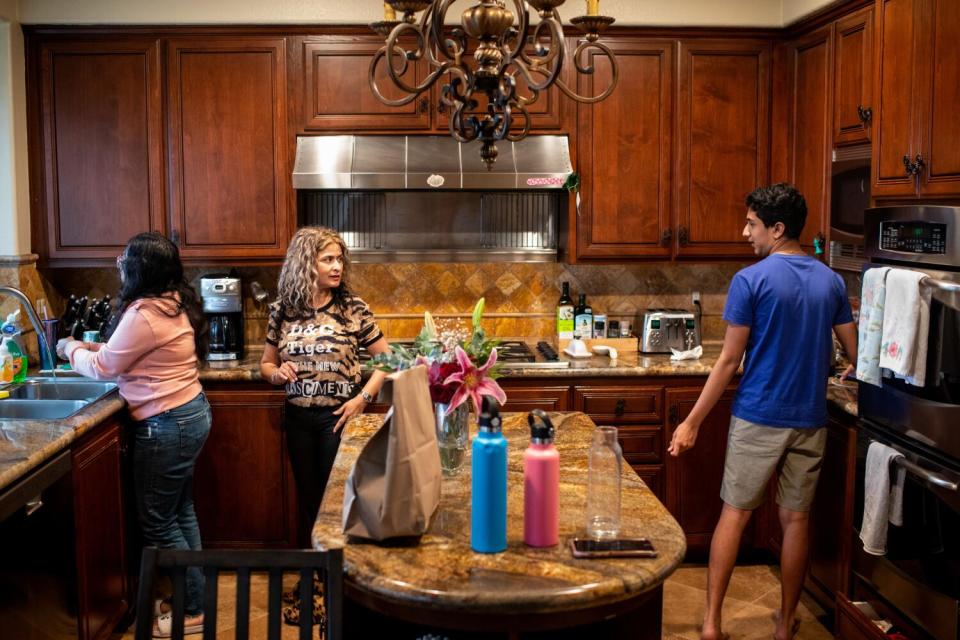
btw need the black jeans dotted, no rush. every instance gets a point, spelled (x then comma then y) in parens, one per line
(313, 447)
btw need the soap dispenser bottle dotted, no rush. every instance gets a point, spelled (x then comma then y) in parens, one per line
(9, 333)
(488, 507)
(541, 484)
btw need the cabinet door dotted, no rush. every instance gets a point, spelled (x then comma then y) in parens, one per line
(337, 94)
(897, 85)
(810, 128)
(722, 145)
(619, 405)
(853, 78)
(100, 532)
(831, 518)
(525, 396)
(102, 147)
(694, 478)
(625, 153)
(243, 483)
(940, 136)
(230, 179)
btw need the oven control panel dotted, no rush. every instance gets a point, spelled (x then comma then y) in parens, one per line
(913, 236)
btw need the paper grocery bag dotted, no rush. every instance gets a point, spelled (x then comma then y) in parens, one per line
(394, 486)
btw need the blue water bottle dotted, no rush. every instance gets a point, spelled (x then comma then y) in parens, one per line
(488, 509)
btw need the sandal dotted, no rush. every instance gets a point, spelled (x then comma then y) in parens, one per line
(163, 626)
(291, 614)
(290, 597)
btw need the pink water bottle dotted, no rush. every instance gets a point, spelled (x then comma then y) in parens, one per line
(541, 484)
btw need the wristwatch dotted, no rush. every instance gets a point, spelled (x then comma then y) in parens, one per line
(366, 396)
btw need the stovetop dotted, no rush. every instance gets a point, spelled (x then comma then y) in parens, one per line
(510, 353)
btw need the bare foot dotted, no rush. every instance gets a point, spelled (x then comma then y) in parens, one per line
(781, 633)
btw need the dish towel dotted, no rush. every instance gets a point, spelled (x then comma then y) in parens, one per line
(872, 298)
(906, 325)
(882, 499)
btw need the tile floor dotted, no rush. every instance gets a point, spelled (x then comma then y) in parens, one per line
(752, 600)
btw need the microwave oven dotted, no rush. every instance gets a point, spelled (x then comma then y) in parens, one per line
(849, 198)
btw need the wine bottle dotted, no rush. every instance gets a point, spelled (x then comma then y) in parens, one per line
(583, 318)
(565, 314)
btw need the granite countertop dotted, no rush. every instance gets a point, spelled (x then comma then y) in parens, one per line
(626, 365)
(26, 444)
(442, 572)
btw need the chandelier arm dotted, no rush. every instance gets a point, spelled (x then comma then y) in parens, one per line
(589, 70)
(515, 137)
(528, 67)
(372, 79)
(437, 18)
(555, 47)
(513, 46)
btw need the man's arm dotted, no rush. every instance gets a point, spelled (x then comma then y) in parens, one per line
(847, 335)
(734, 344)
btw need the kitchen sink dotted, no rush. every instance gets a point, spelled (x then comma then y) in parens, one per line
(11, 409)
(48, 398)
(47, 389)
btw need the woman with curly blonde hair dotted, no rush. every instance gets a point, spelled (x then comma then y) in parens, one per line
(314, 332)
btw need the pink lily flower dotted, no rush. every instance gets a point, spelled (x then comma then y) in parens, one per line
(473, 381)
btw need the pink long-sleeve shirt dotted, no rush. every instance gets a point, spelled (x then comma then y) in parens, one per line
(151, 354)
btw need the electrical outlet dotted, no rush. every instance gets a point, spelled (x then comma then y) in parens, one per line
(695, 297)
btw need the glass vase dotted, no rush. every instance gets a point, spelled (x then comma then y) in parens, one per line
(603, 484)
(453, 436)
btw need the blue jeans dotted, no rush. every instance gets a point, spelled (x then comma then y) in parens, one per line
(165, 448)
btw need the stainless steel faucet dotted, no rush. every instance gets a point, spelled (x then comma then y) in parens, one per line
(47, 359)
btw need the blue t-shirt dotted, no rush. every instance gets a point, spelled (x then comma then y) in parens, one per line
(791, 304)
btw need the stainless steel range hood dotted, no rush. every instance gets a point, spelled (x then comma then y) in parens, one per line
(397, 163)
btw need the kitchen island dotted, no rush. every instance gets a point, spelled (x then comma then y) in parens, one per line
(439, 584)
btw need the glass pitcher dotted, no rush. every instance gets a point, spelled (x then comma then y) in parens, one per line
(603, 484)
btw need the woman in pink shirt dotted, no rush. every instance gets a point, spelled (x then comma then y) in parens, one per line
(152, 351)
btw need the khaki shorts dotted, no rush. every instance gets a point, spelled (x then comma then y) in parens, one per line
(754, 452)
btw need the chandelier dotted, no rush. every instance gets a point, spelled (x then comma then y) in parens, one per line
(504, 47)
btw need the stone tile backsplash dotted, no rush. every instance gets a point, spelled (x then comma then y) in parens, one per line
(520, 298)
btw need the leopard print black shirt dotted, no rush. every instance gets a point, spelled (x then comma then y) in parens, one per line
(324, 348)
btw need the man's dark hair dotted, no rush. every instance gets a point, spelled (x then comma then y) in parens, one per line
(780, 202)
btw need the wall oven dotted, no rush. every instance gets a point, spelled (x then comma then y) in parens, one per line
(920, 574)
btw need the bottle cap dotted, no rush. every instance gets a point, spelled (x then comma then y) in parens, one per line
(541, 428)
(489, 416)
(4, 394)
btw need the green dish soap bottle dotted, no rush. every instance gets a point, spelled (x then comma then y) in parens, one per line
(9, 332)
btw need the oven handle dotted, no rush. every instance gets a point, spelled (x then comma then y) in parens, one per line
(943, 285)
(932, 478)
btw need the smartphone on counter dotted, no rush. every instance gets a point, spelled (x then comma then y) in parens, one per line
(613, 548)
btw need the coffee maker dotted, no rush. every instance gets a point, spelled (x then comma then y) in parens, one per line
(223, 307)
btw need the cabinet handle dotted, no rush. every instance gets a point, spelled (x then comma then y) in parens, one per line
(620, 407)
(672, 415)
(683, 236)
(666, 237)
(441, 107)
(865, 113)
(423, 106)
(913, 168)
(33, 505)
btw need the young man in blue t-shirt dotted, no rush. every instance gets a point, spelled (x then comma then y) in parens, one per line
(780, 311)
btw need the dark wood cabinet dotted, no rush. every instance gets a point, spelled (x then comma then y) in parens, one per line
(102, 587)
(916, 148)
(523, 397)
(98, 169)
(853, 78)
(229, 166)
(337, 96)
(810, 127)
(243, 483)
(831, 518)
(693, 479)
(722, 144)
(625, 153)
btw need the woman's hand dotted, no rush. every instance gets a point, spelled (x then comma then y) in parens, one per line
(352, 407)
(284, 373)
(62, 347)
(683, 438)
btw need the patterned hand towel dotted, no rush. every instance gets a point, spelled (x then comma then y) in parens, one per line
(872, 298)
(906, 326)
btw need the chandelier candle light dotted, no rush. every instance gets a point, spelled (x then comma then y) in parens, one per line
(505, 47)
